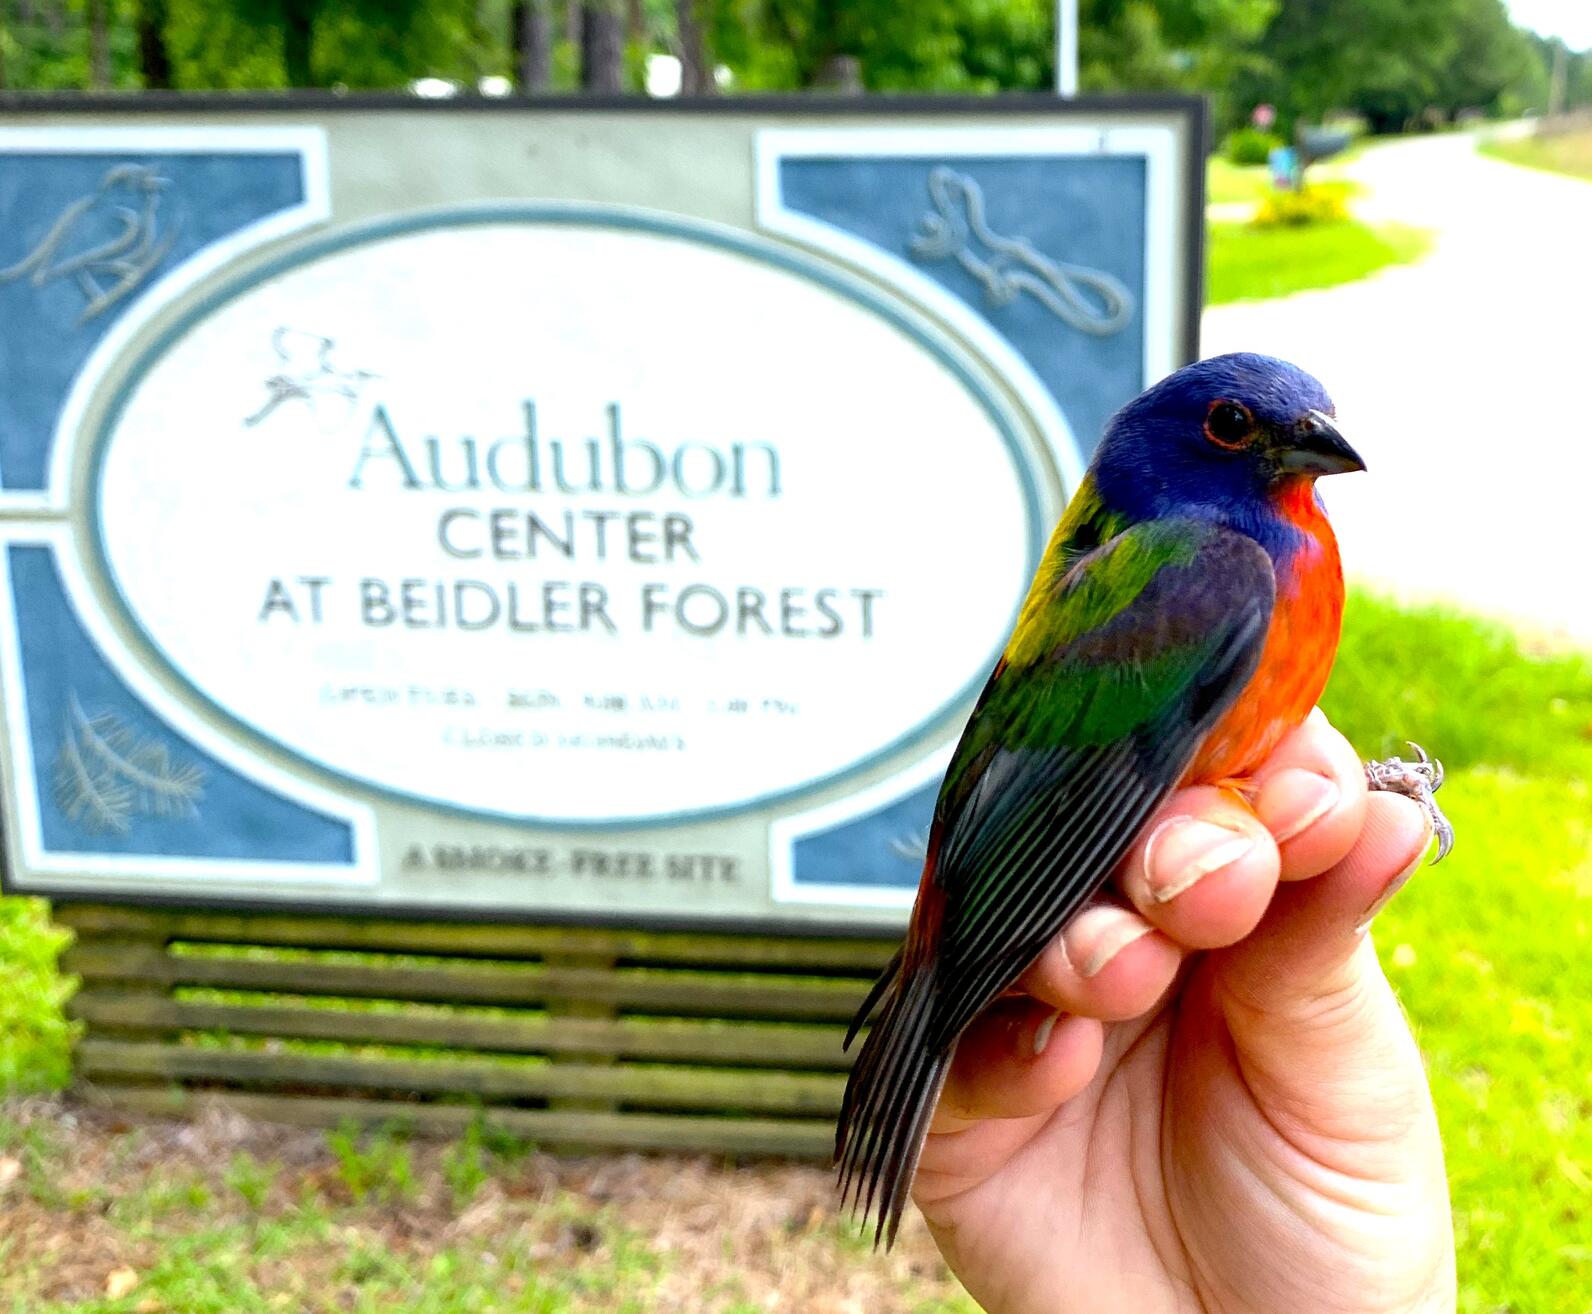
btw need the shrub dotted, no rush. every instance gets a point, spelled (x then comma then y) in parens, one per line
(1308, 205)
(1250, 146)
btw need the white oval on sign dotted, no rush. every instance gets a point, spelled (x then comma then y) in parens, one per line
(567, 517)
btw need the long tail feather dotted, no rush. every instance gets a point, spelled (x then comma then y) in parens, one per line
(875, 994)
(888, 1103)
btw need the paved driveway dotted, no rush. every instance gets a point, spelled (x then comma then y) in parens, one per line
(1466, 382)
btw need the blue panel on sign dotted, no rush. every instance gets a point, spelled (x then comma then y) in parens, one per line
(114, 778)
(82, 235)
(882, 849)
(1049, 249)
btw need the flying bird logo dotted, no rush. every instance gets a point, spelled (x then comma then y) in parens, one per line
(308, 373)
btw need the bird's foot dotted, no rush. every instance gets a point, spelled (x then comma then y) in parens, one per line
(1418, 780)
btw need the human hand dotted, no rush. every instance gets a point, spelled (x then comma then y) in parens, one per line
(1243, 1130)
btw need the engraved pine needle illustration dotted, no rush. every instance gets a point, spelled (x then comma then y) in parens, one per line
(106, 774)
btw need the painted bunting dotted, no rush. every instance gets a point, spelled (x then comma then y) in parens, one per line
(1184, 619)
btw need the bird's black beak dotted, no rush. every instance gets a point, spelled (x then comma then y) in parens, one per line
(1313, 446)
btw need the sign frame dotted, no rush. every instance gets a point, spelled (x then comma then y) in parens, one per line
(111, 110)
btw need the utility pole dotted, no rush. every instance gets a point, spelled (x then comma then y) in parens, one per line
(1066, 47)
(1561, 73)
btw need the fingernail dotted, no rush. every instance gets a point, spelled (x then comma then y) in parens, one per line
(1305, 799)
(1042, 1035)
(1391, 888)
(1185, 850)
(1098, 934)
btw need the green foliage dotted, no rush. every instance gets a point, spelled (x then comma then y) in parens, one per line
(365, 43)
(35, 1037)
(212, 47)
(1490, 56)
(1250, 146)
(1321, 203)
(46, 45)
(1353, 48)
(1172, 45)
(374, 1166)
(1168, 44)
(1396, 62)
(1245, 262)
(259, 44)
(939, 45)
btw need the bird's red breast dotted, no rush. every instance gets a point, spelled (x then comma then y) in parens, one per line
(1297, 658)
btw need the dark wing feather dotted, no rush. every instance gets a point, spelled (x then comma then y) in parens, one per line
(1072, 749)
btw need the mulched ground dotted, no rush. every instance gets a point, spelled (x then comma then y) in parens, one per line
(89, 1201)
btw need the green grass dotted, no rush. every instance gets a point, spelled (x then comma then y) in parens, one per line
(1567, 152)
(194, 1232)
(1489, 953)
(1464, 687)
(1247, 263)
(217, 1270)
(1229, 184)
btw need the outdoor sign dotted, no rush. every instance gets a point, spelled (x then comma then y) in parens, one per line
(590, 513)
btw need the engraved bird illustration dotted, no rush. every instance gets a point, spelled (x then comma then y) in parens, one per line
(107, 242)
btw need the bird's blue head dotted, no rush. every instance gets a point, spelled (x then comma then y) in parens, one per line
(1219, 439)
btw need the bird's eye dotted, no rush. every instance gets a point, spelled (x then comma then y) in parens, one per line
(1229, 424)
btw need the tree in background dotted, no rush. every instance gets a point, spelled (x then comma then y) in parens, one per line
(1170, 45)
(1378, 57)
(602, 46)
(1173, 45)
(696, 55)
(1396, 62)
(930, 45)
(532, 40)
(154, 59)
(62, 45)
(1491, 58)
(1566, 76)
(360, 43)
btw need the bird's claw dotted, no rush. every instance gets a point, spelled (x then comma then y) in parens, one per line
(1418, 780)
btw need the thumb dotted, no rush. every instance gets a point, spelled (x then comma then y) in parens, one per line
(1321, 1039)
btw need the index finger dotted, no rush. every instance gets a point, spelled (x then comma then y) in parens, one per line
(1310, 794)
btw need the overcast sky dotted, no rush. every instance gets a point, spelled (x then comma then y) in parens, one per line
(1570, 19)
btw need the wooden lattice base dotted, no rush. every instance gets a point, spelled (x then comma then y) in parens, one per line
(572, 1037)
